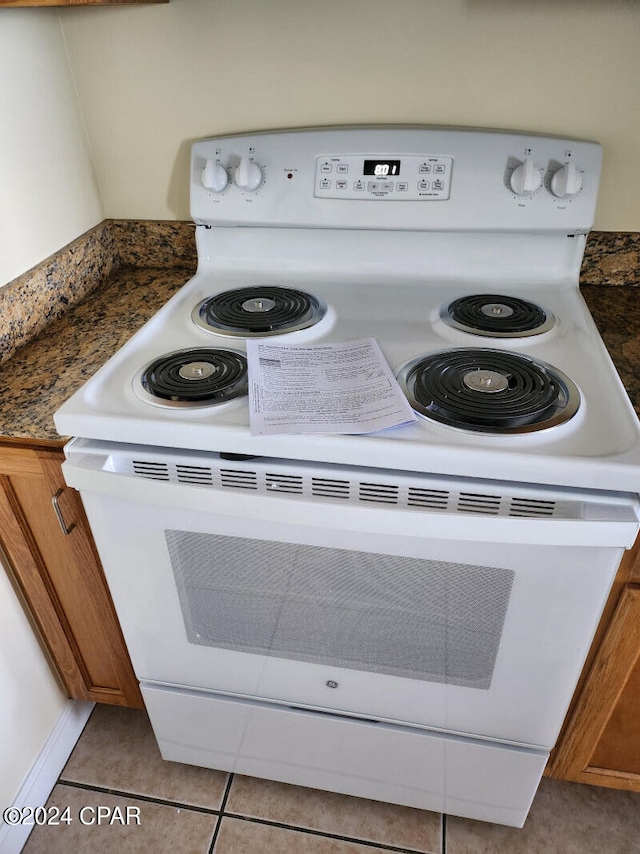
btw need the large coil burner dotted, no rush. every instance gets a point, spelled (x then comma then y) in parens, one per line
(489, 391)
(258, 311)
(497, 316)
(196, 377)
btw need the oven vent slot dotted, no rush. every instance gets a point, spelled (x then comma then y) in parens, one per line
(380, 493)
(238, 479)
(200, 475)
(475, 502)
(410, 493)
(432, 499)
(531, 507)
(324, 487)
(150, 469)
(284, 483)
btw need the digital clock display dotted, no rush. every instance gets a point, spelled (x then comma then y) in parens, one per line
(382, 168)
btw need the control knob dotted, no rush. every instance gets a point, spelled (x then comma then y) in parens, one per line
(248, 175)
(567, 181)
(214, 176)
(525, 178)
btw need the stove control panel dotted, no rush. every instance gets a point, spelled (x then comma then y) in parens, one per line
(375, 177)
(392, 177)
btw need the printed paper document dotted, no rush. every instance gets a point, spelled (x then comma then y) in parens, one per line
(323, 388)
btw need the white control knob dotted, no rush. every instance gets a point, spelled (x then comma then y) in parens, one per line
(567, 181)
(214, 176)
(248, 175)
(526, 178)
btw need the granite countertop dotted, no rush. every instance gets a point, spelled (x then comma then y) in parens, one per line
(61, 321)
(45, 369)
(616, 311)
(43, 373)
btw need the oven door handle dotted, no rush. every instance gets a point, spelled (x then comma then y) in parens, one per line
(606, 525)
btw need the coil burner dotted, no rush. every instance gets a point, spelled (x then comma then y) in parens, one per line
(497, 316)
(193, 378)
(489, 391)
(258, 311)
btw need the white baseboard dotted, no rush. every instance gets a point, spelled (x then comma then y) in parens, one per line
(45, 771)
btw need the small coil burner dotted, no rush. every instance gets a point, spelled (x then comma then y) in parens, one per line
(258, 311)
(497, 316)
(192, 378)
(489, 391)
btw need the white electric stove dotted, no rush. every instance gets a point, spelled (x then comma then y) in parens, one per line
(395, 614)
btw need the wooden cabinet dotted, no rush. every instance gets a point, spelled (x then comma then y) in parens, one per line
(600, 743)
(47, 542)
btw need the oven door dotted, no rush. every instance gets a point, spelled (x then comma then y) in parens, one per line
(462, 623)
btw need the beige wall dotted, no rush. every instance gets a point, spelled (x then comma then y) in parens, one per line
(30, 700)
(153, 78)
(48, 196)
(48, 192)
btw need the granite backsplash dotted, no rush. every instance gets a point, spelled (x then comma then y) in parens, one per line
(611, 258)
(30, 302)
(44, 293)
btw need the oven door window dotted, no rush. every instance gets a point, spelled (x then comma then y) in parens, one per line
(416, 618)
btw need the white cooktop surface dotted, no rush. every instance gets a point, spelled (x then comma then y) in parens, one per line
(597, 448)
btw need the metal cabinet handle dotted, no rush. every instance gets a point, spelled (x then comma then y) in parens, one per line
(58, 512)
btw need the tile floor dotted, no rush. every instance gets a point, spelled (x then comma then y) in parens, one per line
(186, 810)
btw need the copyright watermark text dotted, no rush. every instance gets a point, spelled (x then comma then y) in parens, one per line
(49, 816)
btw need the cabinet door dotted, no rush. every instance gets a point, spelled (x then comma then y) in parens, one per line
(601, 741)
(56, 566)
(617, 750)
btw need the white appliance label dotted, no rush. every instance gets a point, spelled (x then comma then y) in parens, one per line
(323, 388)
